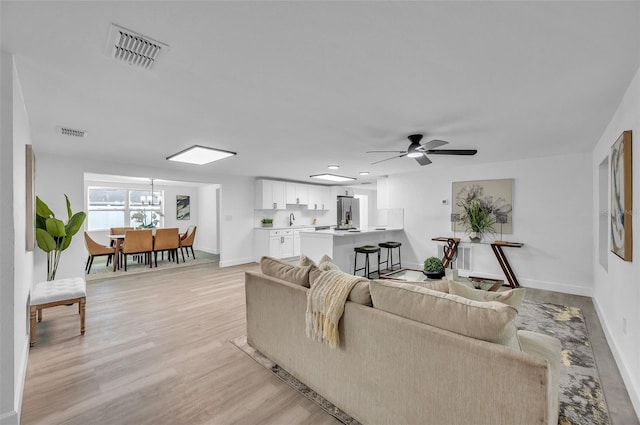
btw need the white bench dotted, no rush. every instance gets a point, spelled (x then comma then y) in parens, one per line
(53, 293)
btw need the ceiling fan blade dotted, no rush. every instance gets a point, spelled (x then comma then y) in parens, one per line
(433, 144)
(386, 152)
(423, 160)
(393, 157)
(452, 152)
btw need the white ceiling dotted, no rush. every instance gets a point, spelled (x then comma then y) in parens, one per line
(294, 86)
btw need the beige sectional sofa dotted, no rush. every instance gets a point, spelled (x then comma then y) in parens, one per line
(391, 367)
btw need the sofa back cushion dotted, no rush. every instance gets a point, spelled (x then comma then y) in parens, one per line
(512, 297)
(359, 294)
(488, 321)
(286, 271)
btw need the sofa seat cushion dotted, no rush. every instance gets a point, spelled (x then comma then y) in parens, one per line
(359, 293)
(489, 321)
(512, 297)
(286, 271)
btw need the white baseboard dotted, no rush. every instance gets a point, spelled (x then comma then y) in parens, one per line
(10, 418)
(530, 283)
(23, 375)
(634, 394)
(237, 261)
(207, 249)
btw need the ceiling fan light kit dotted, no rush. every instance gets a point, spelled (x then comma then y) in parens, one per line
(419, 151)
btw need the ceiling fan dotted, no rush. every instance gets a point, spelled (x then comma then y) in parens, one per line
(420, 151)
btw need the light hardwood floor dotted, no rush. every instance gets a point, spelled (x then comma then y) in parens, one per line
(157, 351)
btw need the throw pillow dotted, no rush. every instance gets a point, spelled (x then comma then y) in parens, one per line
(359, 294)
(489, 321)
(512, 297)
(306, 261)
(326, 263)
(285, 271)
(436, 285)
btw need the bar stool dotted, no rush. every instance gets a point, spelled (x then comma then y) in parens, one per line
(366, 250)
(389, 245)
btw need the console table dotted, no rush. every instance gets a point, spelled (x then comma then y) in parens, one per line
(451, 249)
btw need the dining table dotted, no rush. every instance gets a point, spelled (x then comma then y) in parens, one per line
(118, 239)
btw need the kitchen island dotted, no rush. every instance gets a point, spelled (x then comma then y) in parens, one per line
(339, 244)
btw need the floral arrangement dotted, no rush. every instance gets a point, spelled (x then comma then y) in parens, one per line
(480, 211)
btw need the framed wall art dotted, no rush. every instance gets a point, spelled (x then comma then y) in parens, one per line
(496, 196)
(621, 202)
(183, 207)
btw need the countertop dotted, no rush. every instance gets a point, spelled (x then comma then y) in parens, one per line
(300, 226)
(341, 233)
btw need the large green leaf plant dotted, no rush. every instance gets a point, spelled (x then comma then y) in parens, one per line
(53, 235)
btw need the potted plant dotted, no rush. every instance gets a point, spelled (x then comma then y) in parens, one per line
(267, 222)
(478, 218)
(53, 235)
(433, 268)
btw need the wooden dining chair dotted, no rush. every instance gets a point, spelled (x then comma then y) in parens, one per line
(166, 240)
(187, 241)
(137, 242)
(96, 250)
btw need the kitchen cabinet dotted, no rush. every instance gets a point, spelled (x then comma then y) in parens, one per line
(297, 193)
(344, 191)
(270, 195)
(281, 243)
(327, 198)
(315, 198)
(296, 239)
(274, 243)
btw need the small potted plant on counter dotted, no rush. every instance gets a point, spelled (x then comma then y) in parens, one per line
(267, 222)
(433, 268)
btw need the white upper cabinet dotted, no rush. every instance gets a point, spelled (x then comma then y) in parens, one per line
(297, 193)
(315, 198)
(270, 195)
(344, 191)
(327, 198)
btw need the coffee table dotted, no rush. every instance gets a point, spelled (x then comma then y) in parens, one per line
(484, 283)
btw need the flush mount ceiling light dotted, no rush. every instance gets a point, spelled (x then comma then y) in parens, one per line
(364, 173)
(333, 167)
(332, 177)
(200, 155)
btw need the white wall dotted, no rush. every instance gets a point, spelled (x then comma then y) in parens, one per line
(16, 264)
(207, 231)
(617, 291)
(552, 201)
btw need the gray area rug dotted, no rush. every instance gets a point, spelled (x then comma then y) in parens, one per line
(582, 401)
(99, 269)
(581, 398)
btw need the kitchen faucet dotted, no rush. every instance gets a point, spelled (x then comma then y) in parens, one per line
(291, 219)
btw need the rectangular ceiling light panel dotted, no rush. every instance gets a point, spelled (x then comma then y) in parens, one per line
(332, 177)
(133, 48)
(200, 155)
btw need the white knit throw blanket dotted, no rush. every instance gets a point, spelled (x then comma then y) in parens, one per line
(325, 305)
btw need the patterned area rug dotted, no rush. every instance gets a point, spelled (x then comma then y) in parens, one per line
(581, 398)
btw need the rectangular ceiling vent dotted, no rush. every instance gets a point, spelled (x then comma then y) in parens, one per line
(66, 131)
(135, 49)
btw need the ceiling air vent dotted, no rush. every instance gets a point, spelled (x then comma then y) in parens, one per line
(66, 131)
(133, 48)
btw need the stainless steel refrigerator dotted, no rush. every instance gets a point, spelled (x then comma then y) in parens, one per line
(348, 213)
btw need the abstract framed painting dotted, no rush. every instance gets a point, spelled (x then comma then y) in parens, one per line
(183, 207)
(621, 200)
(496, 196)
